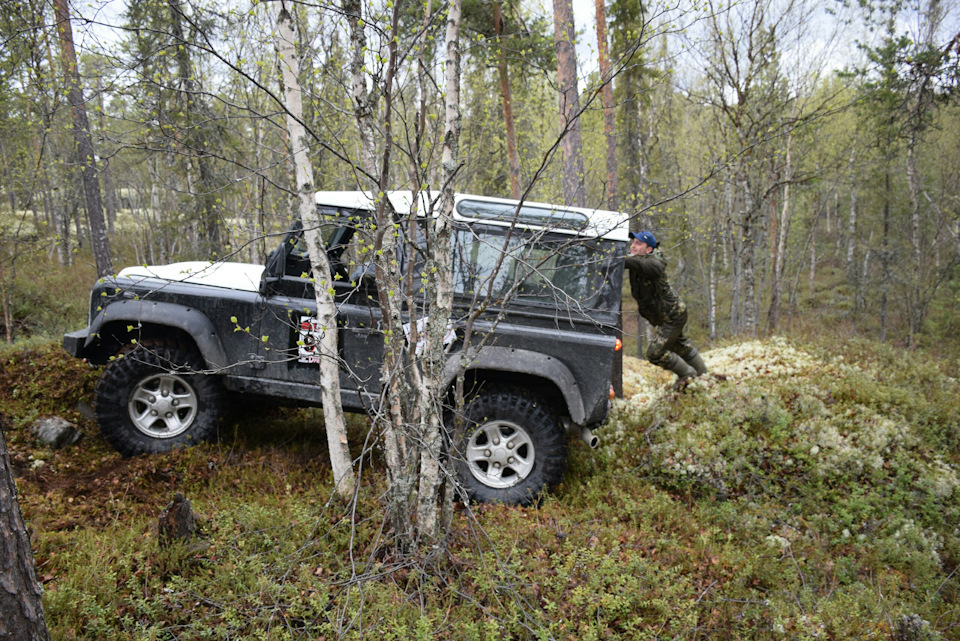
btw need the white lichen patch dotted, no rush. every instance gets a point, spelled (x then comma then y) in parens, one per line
(853, 438)
(768, 407)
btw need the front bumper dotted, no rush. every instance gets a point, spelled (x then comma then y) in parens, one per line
(75, 342)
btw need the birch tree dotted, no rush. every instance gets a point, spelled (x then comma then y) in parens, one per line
(410, 417)
(340, 459)
(441, 288)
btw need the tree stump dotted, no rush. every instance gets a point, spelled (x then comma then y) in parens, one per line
(178, 521)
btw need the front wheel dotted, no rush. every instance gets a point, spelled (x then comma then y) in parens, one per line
(510, 447)
(152, 398)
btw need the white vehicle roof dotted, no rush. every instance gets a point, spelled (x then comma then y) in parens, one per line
(581, 221)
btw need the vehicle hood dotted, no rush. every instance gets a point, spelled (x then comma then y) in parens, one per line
(241, 276)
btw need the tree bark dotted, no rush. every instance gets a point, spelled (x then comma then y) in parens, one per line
(609, 116)
(512, 159)
(81, 132)
(109, 192)
(712, 298)
(779, 246)
(21, 607)
(196, 138)
(399, 449)
(850, 264)
(428, 525)
(571, 145)
(7, 319)
(340, 459)
(885, 277)
(916, 300)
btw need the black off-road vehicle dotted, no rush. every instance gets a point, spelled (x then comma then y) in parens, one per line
(177, 339)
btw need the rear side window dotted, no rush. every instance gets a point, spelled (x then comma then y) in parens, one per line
(537, 269)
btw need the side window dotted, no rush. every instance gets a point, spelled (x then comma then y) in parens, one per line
(346, 239)
(551, 270)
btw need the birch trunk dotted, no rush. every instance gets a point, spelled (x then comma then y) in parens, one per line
(861, 300)
(399, 449)
(340, 459)
(850, 264)
(433, 360)
(917, 305)
(813, 262)
(779, 247)
(712, 299)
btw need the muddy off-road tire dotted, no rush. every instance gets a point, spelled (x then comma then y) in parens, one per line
(150, 399)
(511, 447)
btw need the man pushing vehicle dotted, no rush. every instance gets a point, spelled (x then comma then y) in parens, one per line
(663, 308)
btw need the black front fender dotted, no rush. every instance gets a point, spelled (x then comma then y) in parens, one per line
(83, 343)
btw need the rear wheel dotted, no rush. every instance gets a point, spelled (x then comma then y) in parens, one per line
(152, 398)
(510, 449)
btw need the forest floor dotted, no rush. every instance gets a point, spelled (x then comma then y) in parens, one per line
(798, 491)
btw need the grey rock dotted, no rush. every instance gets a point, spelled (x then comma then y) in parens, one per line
(913, 628)
(56, 432)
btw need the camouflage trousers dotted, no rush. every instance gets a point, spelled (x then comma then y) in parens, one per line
(668, 337)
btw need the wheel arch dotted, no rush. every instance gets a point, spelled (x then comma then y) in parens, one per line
(522, 368)
(125, 321)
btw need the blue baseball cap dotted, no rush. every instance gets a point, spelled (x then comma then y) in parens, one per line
(645, 237)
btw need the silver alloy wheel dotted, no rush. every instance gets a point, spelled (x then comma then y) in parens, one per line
(500, 454)
(163, 406)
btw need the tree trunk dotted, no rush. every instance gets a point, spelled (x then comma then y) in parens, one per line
(571, 146)
(62, 227)
(21, 607)
(7, 320)
(850, 264)
(813, 262)
(712, 298)
(196, 140)
(917, 305)
(8, 181)
(399, 449)
(81, 131)
(779, 247)
(109, 192)
(512, 160)
(885, 277)
(609, 116)
(431, 413)
(340, 459)
(861, 300)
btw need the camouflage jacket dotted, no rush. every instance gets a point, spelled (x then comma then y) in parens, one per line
(656, 299)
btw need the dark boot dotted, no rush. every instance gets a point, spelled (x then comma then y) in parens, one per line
(675, 364)
(696, 362)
